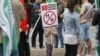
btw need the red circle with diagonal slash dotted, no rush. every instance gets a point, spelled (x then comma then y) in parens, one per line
(46, 21)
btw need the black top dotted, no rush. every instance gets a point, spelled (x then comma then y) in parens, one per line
(96, 21)
(36, 11)
(35, 14)
(60, 9)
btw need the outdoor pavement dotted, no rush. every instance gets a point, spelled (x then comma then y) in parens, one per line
(60, 51)
(56, 52)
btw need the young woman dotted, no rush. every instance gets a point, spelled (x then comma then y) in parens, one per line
(85, 25)
(71, 27)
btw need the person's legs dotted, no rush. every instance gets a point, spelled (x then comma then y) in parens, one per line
(40, 35)
(49, 49)
(56, 41)
(60, 34)
(73, 50)
(21, 50)
(27, 50)
(34, 37)
(26, 47)
(81, 44)
(21, 44)
(89, 46)
(67, 50)
(80, 49)
(87, 39)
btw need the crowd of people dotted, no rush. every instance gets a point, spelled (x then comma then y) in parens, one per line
(72, 29)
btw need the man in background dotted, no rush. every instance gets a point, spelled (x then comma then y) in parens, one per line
(39, 29)
(60, 10)
(85, 24)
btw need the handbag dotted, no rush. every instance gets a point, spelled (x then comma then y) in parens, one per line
(83, 21)
(70, 39)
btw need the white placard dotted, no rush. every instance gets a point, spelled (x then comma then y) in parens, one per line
(49, 14)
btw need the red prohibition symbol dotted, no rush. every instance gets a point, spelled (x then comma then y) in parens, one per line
(49, 18)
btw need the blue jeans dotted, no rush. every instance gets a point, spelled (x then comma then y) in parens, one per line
(1, 50)
(85, 31)
(59, 36)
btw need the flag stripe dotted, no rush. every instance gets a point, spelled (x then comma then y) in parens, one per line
(10, 43)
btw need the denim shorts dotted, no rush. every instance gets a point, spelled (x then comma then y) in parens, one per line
(84, 34)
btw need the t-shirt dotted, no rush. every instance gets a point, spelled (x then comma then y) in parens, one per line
(87, 6)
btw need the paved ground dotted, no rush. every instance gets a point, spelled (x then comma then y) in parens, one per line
(56, 52)
(59, 51)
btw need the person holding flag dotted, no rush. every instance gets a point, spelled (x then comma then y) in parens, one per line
(11, 13)
(39, 29)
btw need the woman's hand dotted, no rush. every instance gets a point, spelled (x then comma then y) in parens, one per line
(83, 21)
